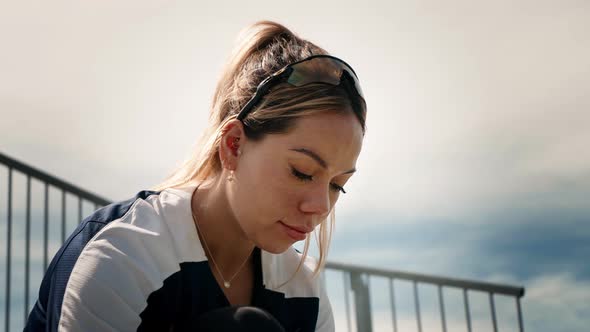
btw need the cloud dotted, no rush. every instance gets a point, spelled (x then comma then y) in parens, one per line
(513, 239)
(557, 302)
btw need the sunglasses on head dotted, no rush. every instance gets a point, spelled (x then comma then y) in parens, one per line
(314, 69)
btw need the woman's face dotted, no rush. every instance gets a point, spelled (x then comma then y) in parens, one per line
(292, 181)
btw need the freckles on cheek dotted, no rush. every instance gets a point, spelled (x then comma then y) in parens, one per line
(281, 186)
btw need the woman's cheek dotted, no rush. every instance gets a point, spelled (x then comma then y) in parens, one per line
(282, 188)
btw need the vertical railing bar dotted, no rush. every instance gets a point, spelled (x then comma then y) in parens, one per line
(467, 313)
(369, 295)
(493, 309)
(345, 274)
(79, 210)
(417, 303)
(8, 252)
(27, 246)
(63, 216)
(520, 325)
(46, 228)
(441, 302)
(392, 297)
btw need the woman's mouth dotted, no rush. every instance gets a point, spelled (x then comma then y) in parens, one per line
(295, 234)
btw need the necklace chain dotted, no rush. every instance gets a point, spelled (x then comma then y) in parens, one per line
(226, 283)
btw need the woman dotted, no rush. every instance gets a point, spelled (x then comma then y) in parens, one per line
(211, 247)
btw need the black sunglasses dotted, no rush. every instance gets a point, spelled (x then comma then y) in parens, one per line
(314, 69)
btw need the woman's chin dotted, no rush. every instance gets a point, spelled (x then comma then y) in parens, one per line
(276, 247)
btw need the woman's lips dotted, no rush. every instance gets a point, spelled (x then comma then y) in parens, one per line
(294, 233)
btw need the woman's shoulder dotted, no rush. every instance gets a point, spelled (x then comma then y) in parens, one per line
(158, 222)
(150, 219)
(130, 245)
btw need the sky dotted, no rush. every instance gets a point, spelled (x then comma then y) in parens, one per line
(475, 161)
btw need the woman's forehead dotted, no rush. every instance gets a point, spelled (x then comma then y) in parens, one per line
(336, 138)
(340, 128)
(319, 159)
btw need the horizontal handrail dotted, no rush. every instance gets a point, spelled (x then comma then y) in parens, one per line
(52, 180)
(442, 281)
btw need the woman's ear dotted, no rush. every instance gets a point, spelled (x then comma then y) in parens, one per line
(232, 139)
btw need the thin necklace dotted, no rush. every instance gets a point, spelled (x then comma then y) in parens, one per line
(226, 283)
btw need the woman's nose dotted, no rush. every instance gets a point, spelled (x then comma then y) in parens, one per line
(316, 201)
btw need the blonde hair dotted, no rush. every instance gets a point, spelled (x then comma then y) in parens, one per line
(262, 49)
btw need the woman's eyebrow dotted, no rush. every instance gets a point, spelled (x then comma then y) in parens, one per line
(318, 159)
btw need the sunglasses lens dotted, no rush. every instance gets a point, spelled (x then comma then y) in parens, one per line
(317, 69)
(322, 70)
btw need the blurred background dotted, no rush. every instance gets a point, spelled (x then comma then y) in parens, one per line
(476, 162)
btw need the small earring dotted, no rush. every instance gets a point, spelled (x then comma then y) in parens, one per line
(230, 178)
(239, 152)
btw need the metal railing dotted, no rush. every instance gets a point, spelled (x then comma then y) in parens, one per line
(13, 166)
(356, 279)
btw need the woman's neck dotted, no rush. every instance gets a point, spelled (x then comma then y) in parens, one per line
(219, 228)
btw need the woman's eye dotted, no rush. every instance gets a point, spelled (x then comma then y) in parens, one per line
(301, 176)
(336, 187)
(304, 177)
